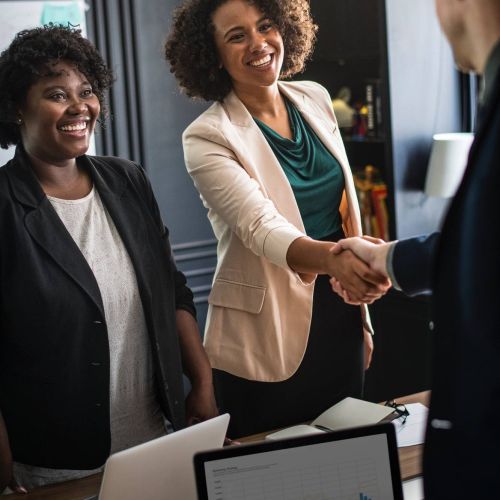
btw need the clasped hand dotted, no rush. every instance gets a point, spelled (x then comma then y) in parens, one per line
(359, 273)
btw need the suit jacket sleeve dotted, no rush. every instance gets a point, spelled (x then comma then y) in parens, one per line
(183, 294)
(413, 263)
(237, 198)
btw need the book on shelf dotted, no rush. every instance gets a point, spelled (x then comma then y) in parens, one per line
(372, 196)
(365, 207)
(379, 195)
(374, 108)
(350, 412)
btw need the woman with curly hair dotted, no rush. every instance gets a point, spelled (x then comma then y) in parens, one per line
(94, 315)
(269, 163)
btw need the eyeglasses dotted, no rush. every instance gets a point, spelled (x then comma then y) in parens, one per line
(400, 410)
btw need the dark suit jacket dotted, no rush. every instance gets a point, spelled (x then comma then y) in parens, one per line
(462, 451)
(54, 353)
(411, 254)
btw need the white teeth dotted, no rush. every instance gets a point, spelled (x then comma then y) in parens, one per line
(261, 62)
(72, 128)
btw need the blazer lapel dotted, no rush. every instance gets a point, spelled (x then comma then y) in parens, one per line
(259, 161)
(488, 112)
(128, 218)
(314, 116)
(47, 229)
(330, 137)
(323, 128)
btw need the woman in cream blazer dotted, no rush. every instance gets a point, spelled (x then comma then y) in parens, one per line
(261, 305)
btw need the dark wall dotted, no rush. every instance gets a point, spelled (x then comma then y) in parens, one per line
(166, 113)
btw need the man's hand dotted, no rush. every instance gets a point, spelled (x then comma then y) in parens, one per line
(360, 283)
(373, 252)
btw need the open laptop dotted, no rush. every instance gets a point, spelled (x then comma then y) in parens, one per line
(359, 463)
(161, 469)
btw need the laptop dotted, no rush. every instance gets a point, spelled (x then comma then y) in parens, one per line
(161, 468)
(359, 463)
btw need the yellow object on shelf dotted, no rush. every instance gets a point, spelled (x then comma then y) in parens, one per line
(372, 195)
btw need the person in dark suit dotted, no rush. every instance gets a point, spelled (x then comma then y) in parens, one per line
(461, 267)
(96, 323)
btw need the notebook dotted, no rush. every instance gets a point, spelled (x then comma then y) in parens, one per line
(350, 412)
(359, 463)
(161, 469)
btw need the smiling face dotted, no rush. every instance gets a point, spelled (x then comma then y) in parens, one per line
(59, 115)
(249, 45)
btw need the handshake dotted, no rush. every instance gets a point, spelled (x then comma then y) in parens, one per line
(364, 276)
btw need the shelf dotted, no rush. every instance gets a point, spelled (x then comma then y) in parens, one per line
(363, 140)
(347, 58)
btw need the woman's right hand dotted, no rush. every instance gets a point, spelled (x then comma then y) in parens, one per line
(6, 469)
(362, 284)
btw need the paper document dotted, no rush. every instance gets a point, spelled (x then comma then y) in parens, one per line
(412, 432)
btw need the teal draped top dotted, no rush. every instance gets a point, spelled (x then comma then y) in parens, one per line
(314, 174)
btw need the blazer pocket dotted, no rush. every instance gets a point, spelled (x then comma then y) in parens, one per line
(234, 295)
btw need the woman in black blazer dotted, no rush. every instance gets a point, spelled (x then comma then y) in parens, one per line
(96, 322)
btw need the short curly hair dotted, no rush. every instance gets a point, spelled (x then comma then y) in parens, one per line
(190, 46)
(31, 56)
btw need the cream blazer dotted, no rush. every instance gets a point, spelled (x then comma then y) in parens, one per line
(259, 309)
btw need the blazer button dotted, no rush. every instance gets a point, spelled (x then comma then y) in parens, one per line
(431, 325)
(97, 322)
(95, 363)
(98, 405)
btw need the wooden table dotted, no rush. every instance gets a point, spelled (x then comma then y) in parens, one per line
(410, 457)
(410, 460)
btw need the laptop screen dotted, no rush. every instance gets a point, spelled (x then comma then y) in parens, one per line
(354, 464)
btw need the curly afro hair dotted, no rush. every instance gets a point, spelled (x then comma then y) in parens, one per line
(190, 47)
(31, 56)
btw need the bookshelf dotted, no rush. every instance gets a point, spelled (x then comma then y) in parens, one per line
(398, 45)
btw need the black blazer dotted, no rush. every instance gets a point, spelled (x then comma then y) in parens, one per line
(462, 450)
(54, 353)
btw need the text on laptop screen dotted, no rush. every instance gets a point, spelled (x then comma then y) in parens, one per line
(350, 469)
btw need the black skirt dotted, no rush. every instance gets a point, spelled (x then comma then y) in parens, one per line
(331, 370)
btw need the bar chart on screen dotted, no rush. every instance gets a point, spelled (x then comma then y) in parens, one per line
(305, 483)
(322, 472)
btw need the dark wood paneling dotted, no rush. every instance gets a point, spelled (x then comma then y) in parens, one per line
(197, 260)
(113, 28)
